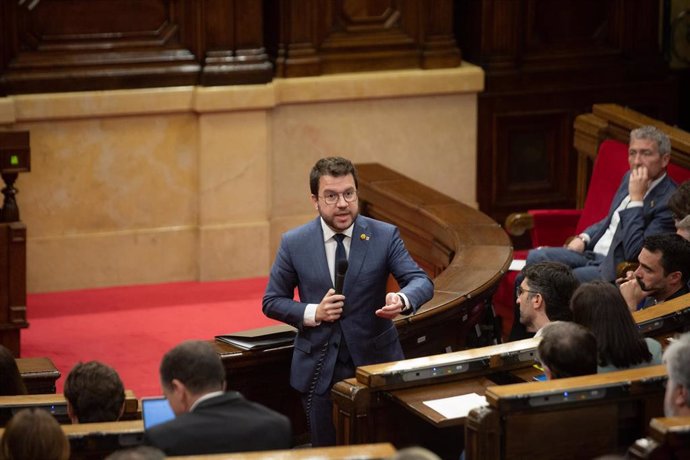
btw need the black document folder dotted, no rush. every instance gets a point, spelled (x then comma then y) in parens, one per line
(263, 337)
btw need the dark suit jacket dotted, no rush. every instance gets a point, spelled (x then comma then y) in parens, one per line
(376, 251)
(636, 223)
(226, 423)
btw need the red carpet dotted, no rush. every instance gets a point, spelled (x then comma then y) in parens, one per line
(130, 328)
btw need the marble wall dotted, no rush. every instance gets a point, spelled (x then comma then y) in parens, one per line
(198, 183)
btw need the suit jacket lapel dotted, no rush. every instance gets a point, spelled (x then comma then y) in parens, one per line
(318, 257)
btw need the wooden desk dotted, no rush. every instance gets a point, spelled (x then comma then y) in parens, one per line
(385, 402)
(368, 408)
(56, 404)
(362, 451)
(665, 319)
(579, 417)
(39, 374)
(669, 439)
(465, 252)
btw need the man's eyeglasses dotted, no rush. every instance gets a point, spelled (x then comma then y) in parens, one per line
(332, 198)
(520, 290)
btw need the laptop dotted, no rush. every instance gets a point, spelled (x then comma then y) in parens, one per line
(155, 410)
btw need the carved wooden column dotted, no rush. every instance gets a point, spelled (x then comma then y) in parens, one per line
(234, 43)
(14, 159)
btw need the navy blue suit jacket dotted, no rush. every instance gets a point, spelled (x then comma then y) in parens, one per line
(636, 223)
(376, 251)
(225, 423)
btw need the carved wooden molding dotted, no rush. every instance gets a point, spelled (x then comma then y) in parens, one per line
(80, 45)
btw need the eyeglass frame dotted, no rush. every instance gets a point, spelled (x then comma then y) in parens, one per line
(338, 195)
(520, 290)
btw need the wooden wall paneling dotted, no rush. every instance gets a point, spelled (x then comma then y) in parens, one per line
(544, 57)
(439, 47)
(70, 45)
(233, 43)
(336, 36)
(291, 34)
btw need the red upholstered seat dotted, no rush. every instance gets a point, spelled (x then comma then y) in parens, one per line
(553, 226)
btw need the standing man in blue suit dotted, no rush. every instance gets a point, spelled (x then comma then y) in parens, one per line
(639, 209)
(339, 331)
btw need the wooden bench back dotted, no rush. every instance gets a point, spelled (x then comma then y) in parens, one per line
(669, 439)
(579, 417)
(56, 404)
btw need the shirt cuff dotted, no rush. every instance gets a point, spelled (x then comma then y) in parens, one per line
(407, 308)
(310, 315)
(584, 237)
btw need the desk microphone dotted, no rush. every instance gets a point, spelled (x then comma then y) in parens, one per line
(340, 270)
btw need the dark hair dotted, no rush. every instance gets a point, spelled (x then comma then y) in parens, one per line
(331, 166)
(675, 252)
(556, 283)
(600, 307)
(196, 364)
(34, 434)
(95, 392)
(11, 382)
(679, 201)
(567, 349)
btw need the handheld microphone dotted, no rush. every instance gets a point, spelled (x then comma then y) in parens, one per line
(340, 270)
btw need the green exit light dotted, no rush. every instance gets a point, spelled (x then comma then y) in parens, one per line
(14, 160)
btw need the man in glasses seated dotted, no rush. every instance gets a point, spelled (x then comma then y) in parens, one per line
(543, 294)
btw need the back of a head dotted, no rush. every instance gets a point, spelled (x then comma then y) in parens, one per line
(675, 252)
(137, 453)
(556, 283)
(34, 434)
(196, 364)
(567, 350)
(415, 453)
(599, 306)
(679, 201)
(95, 392)
(676, 358)
(11, 382)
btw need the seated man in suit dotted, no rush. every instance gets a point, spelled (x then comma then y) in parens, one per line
(209, 420)
(677, 397)
(567, 349)
(543, 295)
(639, 209)
(663, 272)
(94, 393)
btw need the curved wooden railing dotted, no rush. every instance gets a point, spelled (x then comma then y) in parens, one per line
(465, 252)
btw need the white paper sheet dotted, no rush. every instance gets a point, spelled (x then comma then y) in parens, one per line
(517, 264)
(456, 406)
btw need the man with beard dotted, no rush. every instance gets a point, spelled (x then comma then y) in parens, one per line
(663, 272)
(338, 331)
